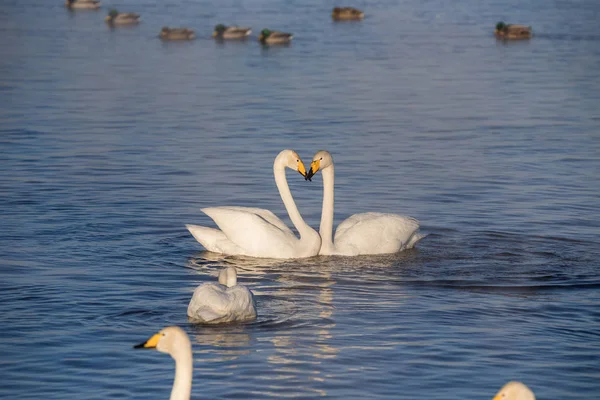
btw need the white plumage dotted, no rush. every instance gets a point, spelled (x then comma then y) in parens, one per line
(366, 233)
(514, 391)
(225, 301)
(257, 232)
(174, 341)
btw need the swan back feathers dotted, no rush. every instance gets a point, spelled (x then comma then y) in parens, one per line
(216, 303)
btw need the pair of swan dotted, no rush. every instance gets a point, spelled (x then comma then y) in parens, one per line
(225, 301)
(174, 341)
(257, 232)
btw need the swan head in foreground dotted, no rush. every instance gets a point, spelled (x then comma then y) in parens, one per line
(290, 159)
(174, 341)
(514, 391)
(321, 160)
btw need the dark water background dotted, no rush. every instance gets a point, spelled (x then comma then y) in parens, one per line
(111, 141)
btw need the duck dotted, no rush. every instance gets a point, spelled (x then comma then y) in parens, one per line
(514, 391)
(268, 36)
(346, 14)
(174, 341)
(176, 33)
(231, 32)
(225, 301)
(83, 4)
(512, 31)
(116, 18)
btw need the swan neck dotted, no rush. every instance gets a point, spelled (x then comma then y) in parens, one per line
(326, 228)
(182, 386)
(288, 200)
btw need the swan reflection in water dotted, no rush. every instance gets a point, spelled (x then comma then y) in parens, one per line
(295, 295)
(317, 309)
(221, 342)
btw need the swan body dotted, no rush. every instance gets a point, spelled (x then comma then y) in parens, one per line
(514, 391)
(116, 18)
(274, 37)
(257, 232)
(174, 341)
(366, 233)
(225, 301)
(231, 32)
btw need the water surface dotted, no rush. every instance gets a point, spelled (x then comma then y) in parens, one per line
(111, 141)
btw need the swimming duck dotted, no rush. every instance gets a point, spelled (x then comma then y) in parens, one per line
(116, 18)
(83, 4)
(174, 341)
(225, 301)
(510, 31)
(346, 14)
(177, 33)
(274, 37)
(231, 32)
(514, 391)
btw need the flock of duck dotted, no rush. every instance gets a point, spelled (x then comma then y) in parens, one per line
(503, 31)
(221, 31)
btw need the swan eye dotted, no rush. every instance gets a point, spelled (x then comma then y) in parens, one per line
(297, 160)
(321, 159)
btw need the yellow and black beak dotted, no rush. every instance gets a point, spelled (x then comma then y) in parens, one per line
(150, 343)
(215, 33)
(314, 168)
(302, 169)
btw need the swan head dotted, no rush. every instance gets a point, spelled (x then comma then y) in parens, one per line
(171, 340)
(321, 160)
(290, 159)
(228, 277)
(514, 391)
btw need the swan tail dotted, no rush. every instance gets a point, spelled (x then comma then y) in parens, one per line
(414, 239)
(213, 240)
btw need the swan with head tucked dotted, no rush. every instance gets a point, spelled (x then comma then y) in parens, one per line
(174, 341)
(366, 233)
(225, 301)
(514, 391)
(257, 232)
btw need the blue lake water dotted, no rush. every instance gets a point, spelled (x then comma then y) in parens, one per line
(112, 140)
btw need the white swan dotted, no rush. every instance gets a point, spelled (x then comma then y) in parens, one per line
(225, 301)
(260, 233)
(366, 233)
(514, 391)
(174, 341)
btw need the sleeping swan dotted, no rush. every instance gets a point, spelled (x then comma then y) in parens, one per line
(225, 301)
(514, 391)
(174, 341)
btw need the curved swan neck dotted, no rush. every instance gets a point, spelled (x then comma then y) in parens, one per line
(288, 200)
(326, 228)
(182, 386)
